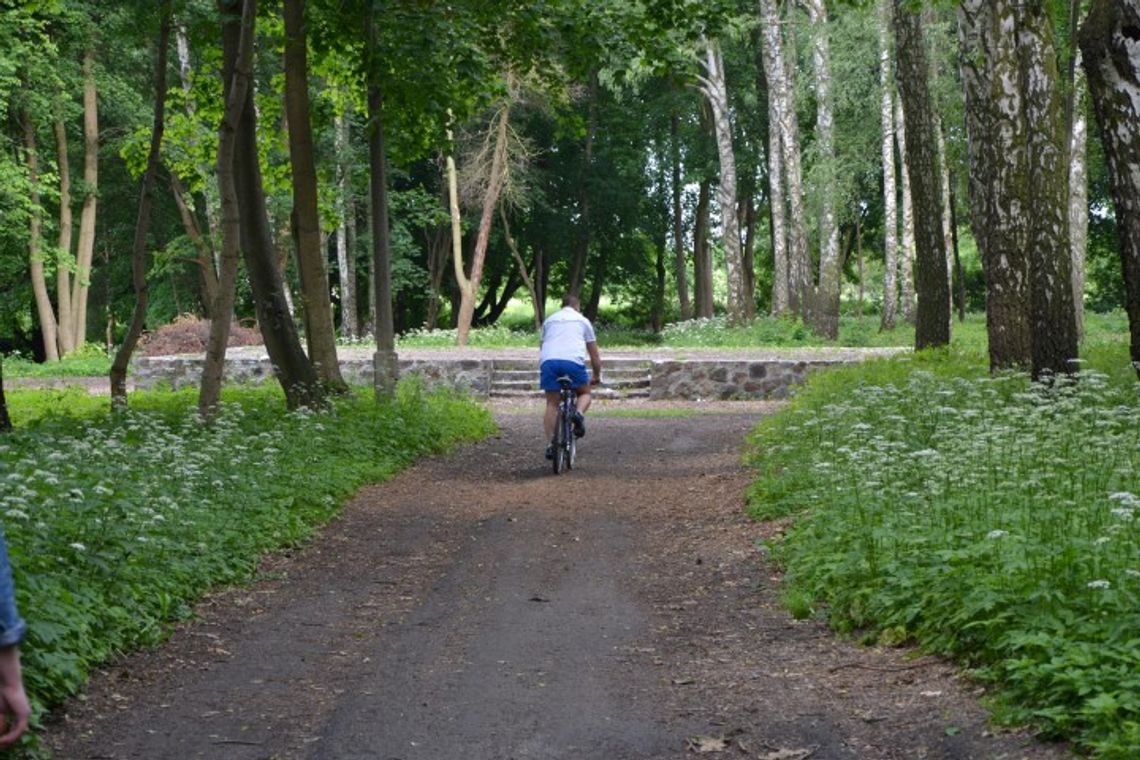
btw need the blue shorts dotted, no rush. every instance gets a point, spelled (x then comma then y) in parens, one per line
(551, 369)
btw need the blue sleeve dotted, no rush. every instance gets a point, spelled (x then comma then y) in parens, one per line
(12, 627)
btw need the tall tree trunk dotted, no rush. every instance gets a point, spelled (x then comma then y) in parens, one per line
(1078, 193)
(777, 211)
(239, 62)
(490, 202)
(1053, 337)
(526, 278)
(740, 308)
(597, 283)
(748, 222)
(320, 332)
(826, 302)
(998, 166)
(889, 315)
(44, 311)
(932, 322)
(385, 363)
(702, 256)
(541, 276)
(206, 258)
(346, 261)
(85, 247)
(462, 282)
(680, 267)
(1108, 44)
(292, 367)
(582, 251)
(906, 242)
(781, 99)
(952, 204)
(118, 374)
(5, 419)
(64, 261)
(947, 215)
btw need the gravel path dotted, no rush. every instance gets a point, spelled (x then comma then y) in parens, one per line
(477, 607)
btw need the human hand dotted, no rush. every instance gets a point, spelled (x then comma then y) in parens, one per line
(15, 711)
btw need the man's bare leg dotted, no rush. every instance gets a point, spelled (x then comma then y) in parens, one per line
(551, 415)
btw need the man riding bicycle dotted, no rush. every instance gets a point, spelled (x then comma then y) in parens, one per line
(567, 338)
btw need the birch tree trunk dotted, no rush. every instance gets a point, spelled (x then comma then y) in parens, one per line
(490, 202)
(1111, 54)
(320, 332)
(781, 296)
(781, 101)
(44, 311)
(889, 314)
(906, 245)
(64, 261)
(213, 367)
(998, 165)
(1053, 336)
(1079, 193)
(947, 214)
(85, 247)
(932, 319)
(740, 310)
(346, 263)
(826, 307)
(118, 373)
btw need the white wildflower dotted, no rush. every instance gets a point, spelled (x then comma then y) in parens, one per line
(1099, 584)
(78, 547)
(993, 535)
(17, 514)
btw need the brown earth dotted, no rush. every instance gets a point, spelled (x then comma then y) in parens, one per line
(476, 607)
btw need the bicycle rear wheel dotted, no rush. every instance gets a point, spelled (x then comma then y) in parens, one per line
(558, 463)
(571, 440)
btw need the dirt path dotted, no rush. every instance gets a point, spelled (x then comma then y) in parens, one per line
(478, 608)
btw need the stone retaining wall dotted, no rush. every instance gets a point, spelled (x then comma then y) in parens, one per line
(704, 378)
(727, 379)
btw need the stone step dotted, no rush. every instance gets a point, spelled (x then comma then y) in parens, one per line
(532, 384)
(598, 392)
(608, 364)
(610, 375)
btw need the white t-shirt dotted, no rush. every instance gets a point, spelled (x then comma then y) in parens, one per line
(565, 334)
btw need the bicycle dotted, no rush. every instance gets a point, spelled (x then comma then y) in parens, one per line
(564, 442)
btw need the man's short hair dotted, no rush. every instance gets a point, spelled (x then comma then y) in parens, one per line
(572, 301)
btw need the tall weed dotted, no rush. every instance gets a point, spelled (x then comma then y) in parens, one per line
(988, 519)
(117, 524)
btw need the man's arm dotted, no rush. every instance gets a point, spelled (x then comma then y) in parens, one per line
(595, 363)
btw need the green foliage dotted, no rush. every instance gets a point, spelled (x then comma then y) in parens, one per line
(983, 518)
(89, 361)
(117, 525)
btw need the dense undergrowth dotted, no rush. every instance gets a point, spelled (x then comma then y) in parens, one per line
(116, 525)
(988, 519)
